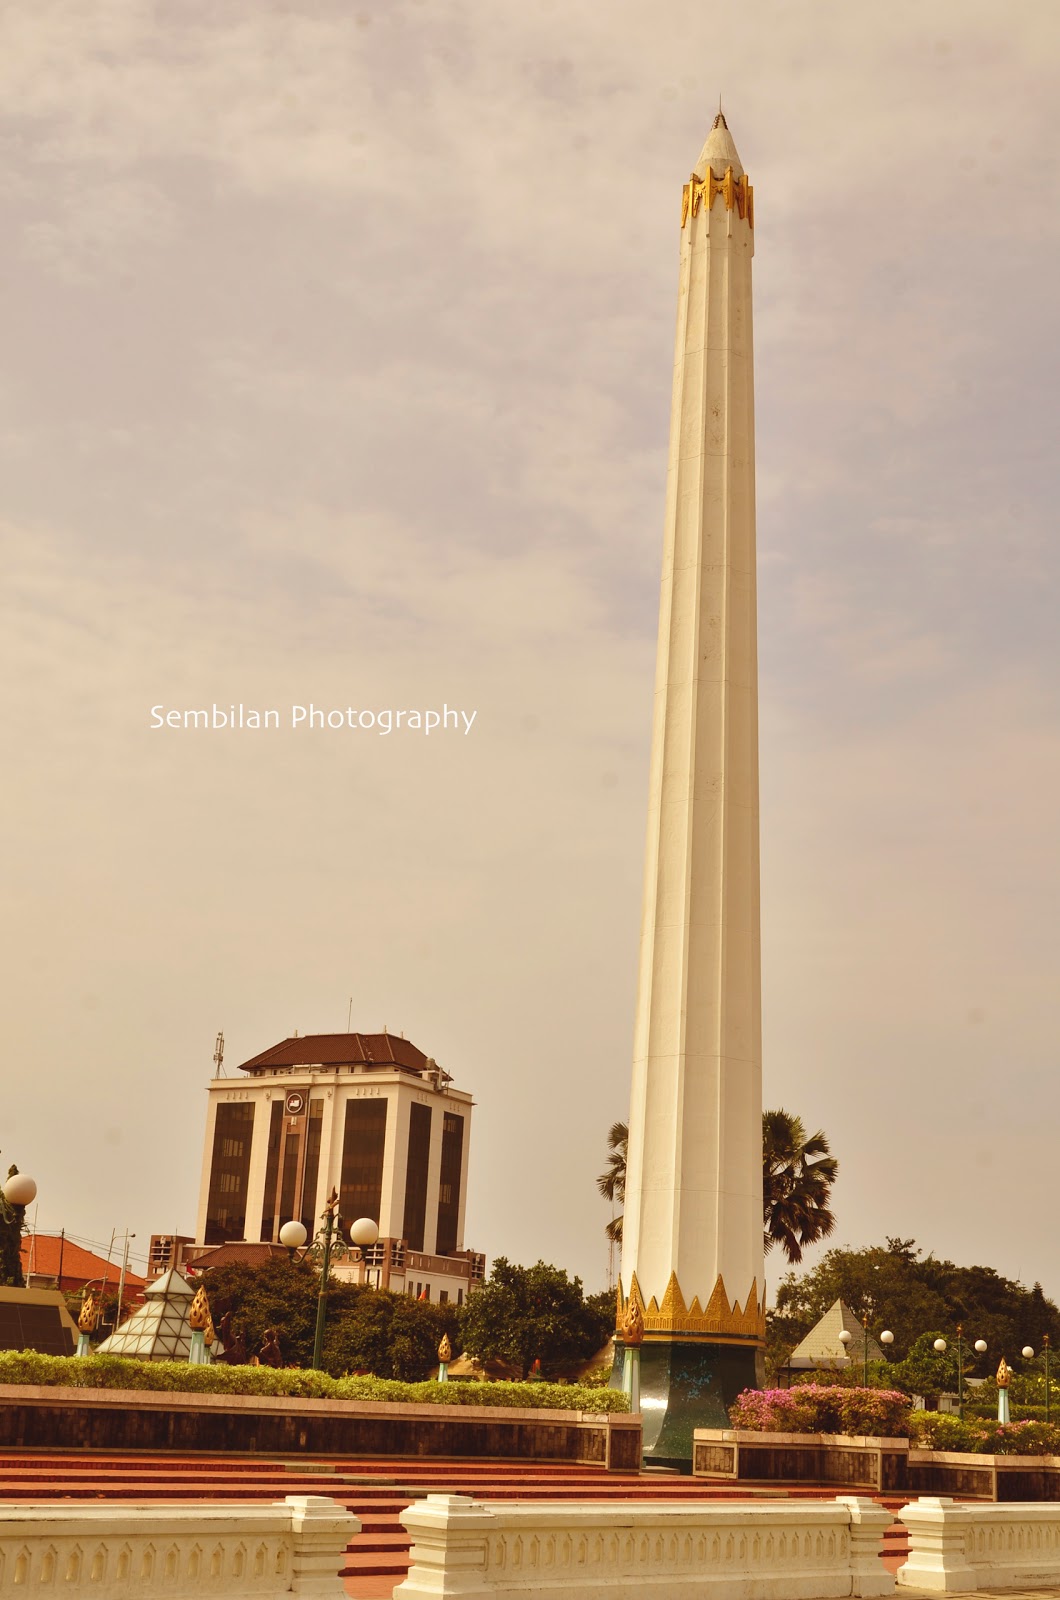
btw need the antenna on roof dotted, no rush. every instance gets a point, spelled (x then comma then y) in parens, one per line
(219, 1056)
(349, 1017)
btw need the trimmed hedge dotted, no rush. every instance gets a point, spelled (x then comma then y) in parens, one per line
(933, 1430)
(180, 1377)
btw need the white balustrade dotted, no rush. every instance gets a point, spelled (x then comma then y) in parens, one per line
(957, 1549)
(794, 1550)
(294, 1546)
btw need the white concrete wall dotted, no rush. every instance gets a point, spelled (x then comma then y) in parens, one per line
(959, 1549)
(788, 1551)
(295, 1546)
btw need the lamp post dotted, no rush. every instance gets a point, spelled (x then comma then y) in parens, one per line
(980, 1349)
(846, 1339)
(1028, 1355)
(293, 1236)
(16, 1193)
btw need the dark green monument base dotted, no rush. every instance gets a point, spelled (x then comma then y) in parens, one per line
(686, 1386)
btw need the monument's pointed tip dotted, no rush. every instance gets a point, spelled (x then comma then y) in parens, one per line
(719, 152)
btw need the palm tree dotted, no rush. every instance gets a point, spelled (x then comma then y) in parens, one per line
(797, 1178)
(612, 1183)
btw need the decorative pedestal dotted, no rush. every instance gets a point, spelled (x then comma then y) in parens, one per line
(684, 1387)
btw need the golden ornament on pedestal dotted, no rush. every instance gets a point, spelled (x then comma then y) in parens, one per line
(445, 1349)
(199, 1315)
(88, 1316)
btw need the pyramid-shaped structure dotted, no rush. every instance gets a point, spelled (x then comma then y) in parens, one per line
(158, 1330)
(822, 1346)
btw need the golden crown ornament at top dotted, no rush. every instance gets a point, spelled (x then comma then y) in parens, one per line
(89, 1313)
(199, 1315)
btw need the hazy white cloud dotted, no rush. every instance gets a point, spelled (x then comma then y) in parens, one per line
(336, 363)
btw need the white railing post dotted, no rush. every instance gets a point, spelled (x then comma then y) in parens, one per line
(321, 1530)
(938, 1546)
(868, 1524)
(448, 1555)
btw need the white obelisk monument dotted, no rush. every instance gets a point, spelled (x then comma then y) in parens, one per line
(692, 1225)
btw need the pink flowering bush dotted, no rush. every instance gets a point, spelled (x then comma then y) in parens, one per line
(1020, 1438)
(822, 1408)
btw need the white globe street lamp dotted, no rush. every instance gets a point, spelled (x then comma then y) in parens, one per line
(19, 1189)
(293, 1235)
(980, 1347)
(364, 1232)
(940, 1346)
(887, 1337)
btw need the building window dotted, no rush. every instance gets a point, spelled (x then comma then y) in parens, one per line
(419, 1155)
(312, 1167)
(449, 1183)
(460, 1297)
(272, 1173)
(226, 1207)
(363, 1146)
(443, 1297)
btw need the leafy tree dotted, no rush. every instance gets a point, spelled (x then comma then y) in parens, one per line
(895, 1286)
(797, 1178)
(367, 1330)
(527, 1314)
(612, 1182)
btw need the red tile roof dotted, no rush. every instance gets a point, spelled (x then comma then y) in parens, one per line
(340, 1050)
(218, 1255)
(41, 1252)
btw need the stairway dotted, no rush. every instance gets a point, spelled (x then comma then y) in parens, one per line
(375, 1490)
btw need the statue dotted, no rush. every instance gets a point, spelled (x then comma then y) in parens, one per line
(233, 1352)
(270, 1350)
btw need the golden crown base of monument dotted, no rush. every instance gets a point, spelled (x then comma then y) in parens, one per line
(674, 1317)
(737, 193)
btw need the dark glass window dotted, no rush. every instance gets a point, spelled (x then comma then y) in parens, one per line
(416, 1176)
(312, 1166)
(226, 1208)
(272, 1173)
(292, 1161)
(363, 1144)
(449, 1182)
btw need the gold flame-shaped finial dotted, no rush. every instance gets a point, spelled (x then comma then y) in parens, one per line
(209, 1333)
(89, 1313)
(445, 1349)
(199, 1315)
(633, 1325)
(1004, 1373)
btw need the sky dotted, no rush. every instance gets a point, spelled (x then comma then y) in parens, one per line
(335, 367)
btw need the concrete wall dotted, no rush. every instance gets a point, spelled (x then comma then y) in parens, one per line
(36, 1417)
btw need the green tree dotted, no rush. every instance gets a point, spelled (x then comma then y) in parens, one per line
(612, 1182)
(367, 1330)
(896, 1286)
(797, 1177)
(527, 1314)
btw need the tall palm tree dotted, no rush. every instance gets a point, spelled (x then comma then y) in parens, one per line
(797, 1178)
(612, 1183)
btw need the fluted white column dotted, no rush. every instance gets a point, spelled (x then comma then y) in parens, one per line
(693, 1210)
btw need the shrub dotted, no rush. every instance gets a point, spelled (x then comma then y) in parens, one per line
(180, 1377)
(822, 1408)
(1021, 1438)
(937, 1430)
